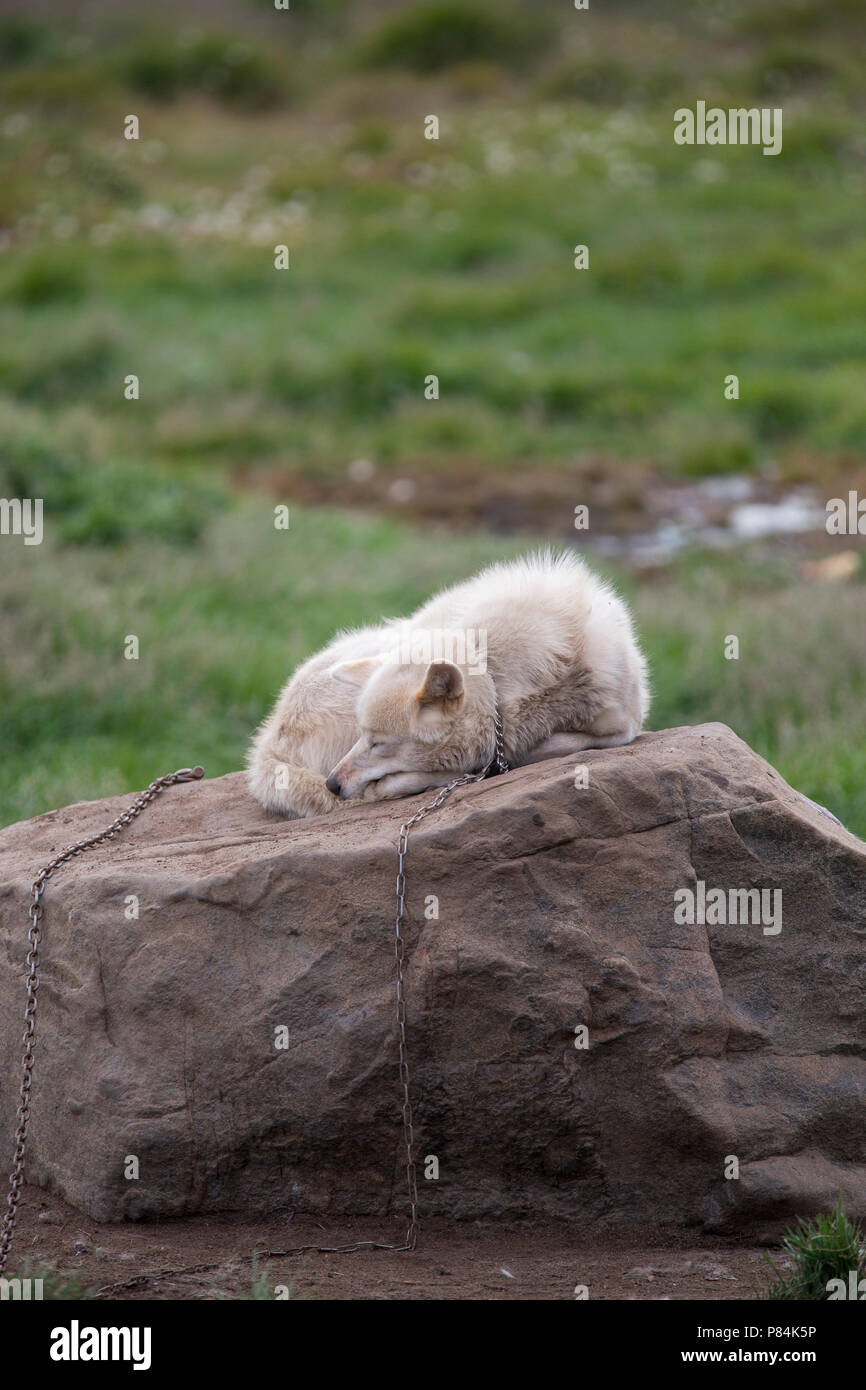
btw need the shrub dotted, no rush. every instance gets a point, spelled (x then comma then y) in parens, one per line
(448, 32)
(827, 1248)
(101, 505)
(232, 72)
(710, 457)
(44, 277)
(22, 41)
(779, 408)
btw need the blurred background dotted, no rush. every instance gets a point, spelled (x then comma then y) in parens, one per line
(409, 257)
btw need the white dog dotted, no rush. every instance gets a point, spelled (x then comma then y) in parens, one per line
(392, 710)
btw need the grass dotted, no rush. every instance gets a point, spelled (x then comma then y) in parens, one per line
(409, 257)
(412, 256)
(56, 1285)
(828, 1248)
(221, 624)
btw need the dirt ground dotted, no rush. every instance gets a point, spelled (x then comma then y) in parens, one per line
(540, 500)
(209, 1257)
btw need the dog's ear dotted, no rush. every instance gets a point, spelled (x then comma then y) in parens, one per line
(358, 672)
(442, 691)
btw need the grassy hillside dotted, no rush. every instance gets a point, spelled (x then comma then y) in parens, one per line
(410, 257)
(453, 256)
(221, 625)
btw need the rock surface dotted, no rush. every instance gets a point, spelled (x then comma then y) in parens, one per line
(556, 909)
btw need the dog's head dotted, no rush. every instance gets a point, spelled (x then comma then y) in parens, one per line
(409, 717)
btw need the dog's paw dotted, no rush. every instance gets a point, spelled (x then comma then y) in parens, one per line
(372, 791)
(386, 788)
(397, 784)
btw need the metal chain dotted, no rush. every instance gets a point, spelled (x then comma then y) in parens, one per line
(496, 764)
(16, 1176)
(499, 764)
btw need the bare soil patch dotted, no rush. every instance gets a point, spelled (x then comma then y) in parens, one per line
(208, 1257)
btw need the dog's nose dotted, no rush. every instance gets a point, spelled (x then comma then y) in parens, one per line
(333, 784)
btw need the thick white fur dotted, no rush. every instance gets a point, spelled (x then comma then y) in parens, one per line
(562, 659)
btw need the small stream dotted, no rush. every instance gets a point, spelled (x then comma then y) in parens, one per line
(717, 513)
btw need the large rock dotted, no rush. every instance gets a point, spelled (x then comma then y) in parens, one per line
(556, 908)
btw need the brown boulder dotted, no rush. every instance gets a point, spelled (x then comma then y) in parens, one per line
(556, 909)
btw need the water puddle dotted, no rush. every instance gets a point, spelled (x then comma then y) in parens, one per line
(716, 513)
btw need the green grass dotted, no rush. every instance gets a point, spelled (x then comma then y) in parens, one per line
(409, 257)
(830, 1247)
(222, 623)
(57, 1286)
(412, 256)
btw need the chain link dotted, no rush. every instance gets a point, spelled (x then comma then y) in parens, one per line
(496, 764)
(16, 1176)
